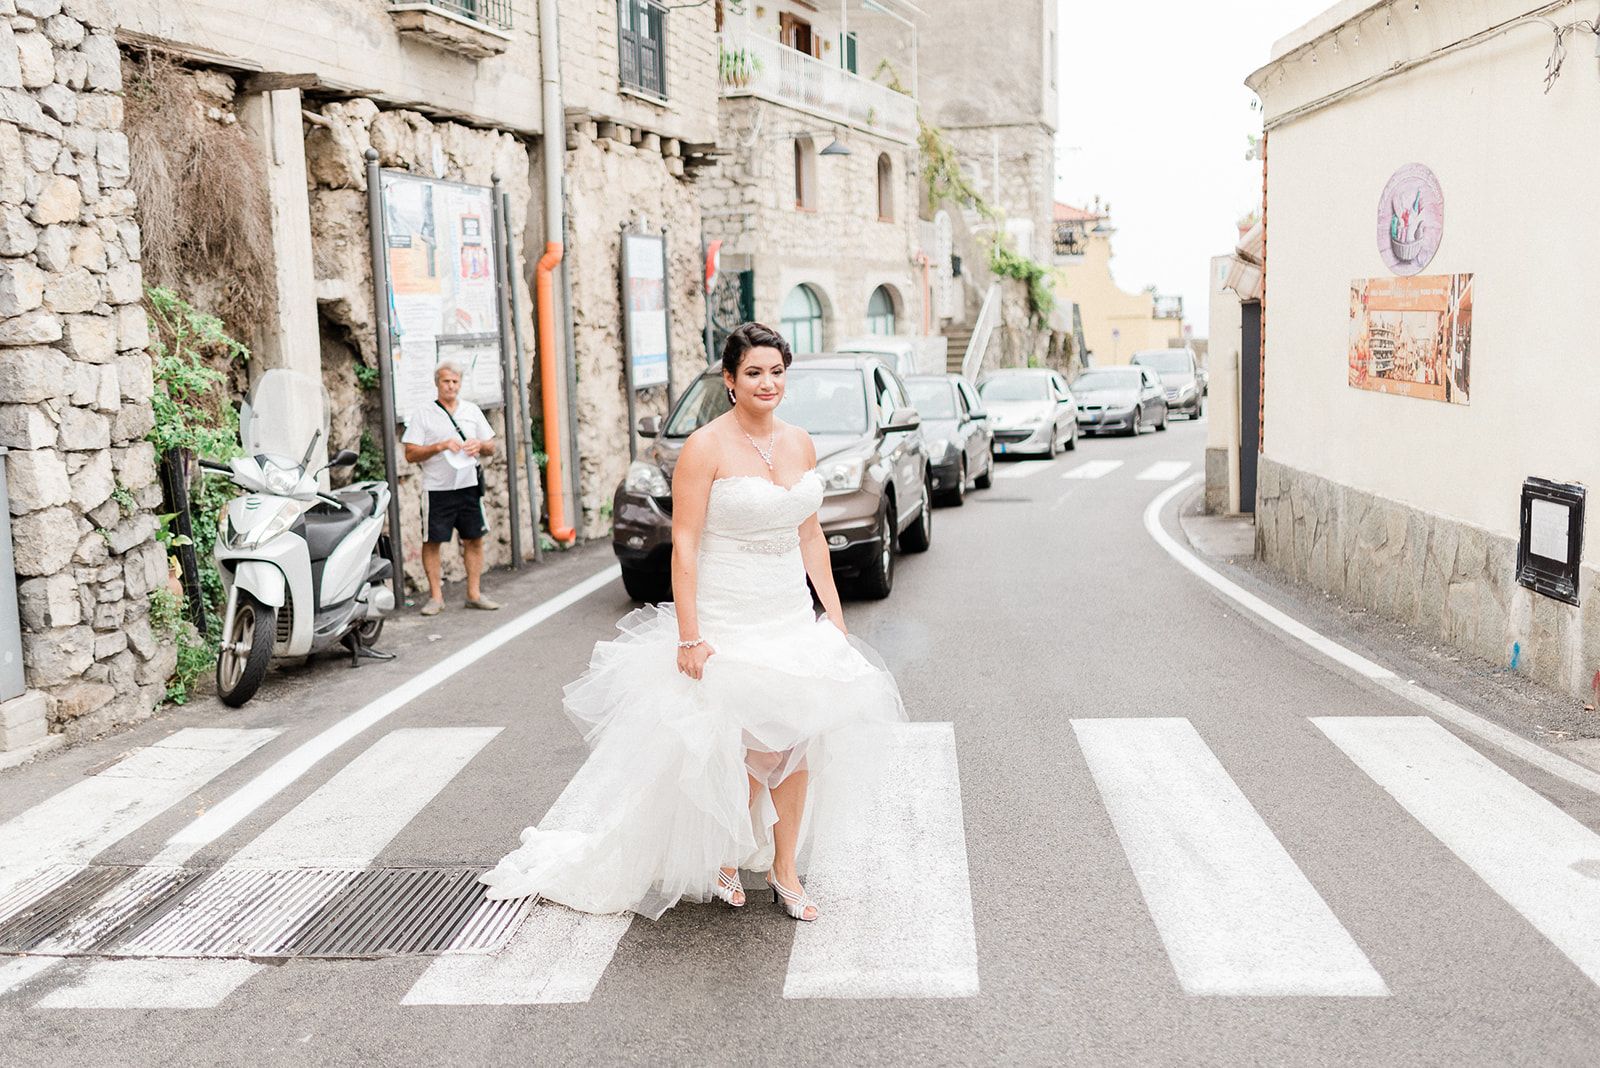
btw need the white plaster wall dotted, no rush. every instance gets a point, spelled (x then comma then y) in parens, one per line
(1222, 361)
(1518, 170)
(352, 46)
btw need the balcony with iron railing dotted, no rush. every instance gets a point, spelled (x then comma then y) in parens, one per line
(752, 65)
(475, 28)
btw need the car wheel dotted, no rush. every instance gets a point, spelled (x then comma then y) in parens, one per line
(650, 587)
(877, 578)
(1199, 409)
(919, 535)
(957, 497)
(1136, 424)
(1055, 443)
(985, 480)
(1072, 438)
(1162, 425)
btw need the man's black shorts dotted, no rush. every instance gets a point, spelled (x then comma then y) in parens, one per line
(455, 511)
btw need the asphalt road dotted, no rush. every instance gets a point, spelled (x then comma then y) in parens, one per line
(1168, 834)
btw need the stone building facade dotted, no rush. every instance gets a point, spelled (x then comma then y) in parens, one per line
(1382, 487)
(75, 381)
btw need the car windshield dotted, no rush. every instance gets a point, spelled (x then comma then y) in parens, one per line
(1101, 381)
(818, 401)
(1015, 388)
(1167, 363)
(932, 399)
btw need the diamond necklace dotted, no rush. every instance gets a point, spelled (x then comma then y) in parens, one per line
(766, 453)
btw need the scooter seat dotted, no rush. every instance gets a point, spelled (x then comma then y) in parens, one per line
(327, 527)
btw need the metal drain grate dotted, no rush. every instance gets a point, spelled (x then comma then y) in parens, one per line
(88, 906)
(126, 911)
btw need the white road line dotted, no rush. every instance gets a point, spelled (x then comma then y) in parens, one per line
(222, 817)
(346, 822)
(1092, 469)
(1233, 909)
(1445, 709)
(894, 890)
(1024, 468)
(557, 956)
(76, 824)
(1531, 853)
(1163, 471)
(150, 984)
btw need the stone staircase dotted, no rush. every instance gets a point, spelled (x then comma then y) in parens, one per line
(959, 335)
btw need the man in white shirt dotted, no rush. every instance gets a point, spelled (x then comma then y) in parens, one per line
(447, 438)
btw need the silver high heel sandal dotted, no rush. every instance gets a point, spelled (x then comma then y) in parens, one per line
(795, 904)
(726, 886)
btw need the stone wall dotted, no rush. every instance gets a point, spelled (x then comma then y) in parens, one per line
(841, 248)
(1025, 172)
(1454, 581)
(336, 172)
(75, 380)
(610, 183)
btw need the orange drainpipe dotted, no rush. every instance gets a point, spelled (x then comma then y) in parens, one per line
(549, 384)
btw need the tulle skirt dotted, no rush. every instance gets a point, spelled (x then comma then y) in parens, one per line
(665, 796)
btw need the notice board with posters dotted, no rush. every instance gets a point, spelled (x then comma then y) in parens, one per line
(443, 265)
(1412, 336)
(644, 294)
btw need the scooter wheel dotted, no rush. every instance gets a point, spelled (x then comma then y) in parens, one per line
(367, 634)
(242, 666)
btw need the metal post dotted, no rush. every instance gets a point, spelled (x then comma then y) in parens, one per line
(666, 308)
(507, 380)
(173, 470)
(12, 683)
(574, 478)
(528, 466)
(380, 315)
(627, 347)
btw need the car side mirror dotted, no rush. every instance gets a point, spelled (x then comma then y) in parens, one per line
(345, 458)
(649, 426)
(902, 419)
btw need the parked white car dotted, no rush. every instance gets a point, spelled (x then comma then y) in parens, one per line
(899, 353)
(1031, 411)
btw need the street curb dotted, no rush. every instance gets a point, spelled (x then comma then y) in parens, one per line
(1529, 751)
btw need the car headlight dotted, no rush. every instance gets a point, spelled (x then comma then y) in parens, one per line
(646, 478)
(842, 476)
(940, 451)
(280, 480)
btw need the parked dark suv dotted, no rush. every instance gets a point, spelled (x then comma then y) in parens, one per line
(870, 454)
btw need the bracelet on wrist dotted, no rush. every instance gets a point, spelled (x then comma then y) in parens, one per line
(692, 643)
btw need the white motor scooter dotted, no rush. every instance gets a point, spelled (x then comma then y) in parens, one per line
(304, 570)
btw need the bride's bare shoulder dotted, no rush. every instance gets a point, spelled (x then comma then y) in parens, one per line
(800, 440)
(703, 448)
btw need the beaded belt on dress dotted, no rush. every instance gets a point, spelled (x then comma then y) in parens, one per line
(776, 546)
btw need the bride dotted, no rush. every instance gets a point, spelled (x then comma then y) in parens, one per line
(733, 726)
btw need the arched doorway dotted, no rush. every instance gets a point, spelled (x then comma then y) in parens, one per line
(880, 311)
(800, 321)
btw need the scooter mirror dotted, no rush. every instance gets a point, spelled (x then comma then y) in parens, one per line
(345, 458)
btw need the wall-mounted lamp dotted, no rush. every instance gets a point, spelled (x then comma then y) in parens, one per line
(835, 147)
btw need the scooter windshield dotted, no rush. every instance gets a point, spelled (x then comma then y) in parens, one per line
(285, 418)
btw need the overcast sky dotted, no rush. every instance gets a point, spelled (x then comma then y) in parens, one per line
(1154, 119)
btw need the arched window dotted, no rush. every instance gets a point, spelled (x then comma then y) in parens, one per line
(801, 320)
(805, 174)
(880, 311)
(885, 188)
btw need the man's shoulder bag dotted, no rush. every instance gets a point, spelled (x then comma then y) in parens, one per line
(463, 434)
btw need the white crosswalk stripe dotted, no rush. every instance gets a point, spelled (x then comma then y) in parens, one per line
(1092, 469)
(1236, 915)
(905, 931)
(347, 821)
(1163, 471)
(80, 821)
(1023, 469)
(1538, 858)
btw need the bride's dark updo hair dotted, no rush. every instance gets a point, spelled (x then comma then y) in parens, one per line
(747, 336)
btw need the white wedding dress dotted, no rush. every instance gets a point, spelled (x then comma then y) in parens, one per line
(784, 691)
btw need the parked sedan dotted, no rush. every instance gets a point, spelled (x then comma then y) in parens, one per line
(957, 431)
(1121, 399)
(1031, 411)
(878, 486)
(1180, 377)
